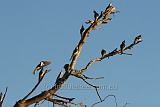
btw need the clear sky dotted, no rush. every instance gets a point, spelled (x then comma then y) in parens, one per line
(36, 30)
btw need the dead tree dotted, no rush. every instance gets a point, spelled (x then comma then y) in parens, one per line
(70, 70)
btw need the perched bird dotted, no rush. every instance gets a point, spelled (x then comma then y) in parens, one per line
(103, 52)
(122, 46)
(1, 97)
(82, 30)
(90, 21)
(59, 76)
(66, 67)
(74, 52)
(41, 74)
(96, 15)
(41, 65)
(110, 4)
(138, 38)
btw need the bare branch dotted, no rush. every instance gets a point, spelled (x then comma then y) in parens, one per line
(89, 83)
(44, 94)
(105, 99)
(36, 85)
(103, 18)
(106, 56)
(92, 78)
(86, 32)
(2, 98)
(98, 94)
(70, 99)
(62, 102)
(126, 104)
(82, 77)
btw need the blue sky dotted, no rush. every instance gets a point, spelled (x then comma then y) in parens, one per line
(32, 31)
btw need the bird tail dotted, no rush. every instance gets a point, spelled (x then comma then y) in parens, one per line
(46, 63)
(35, 70)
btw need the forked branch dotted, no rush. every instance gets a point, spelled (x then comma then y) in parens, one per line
(105, 99)
(114, 52)
(36, 85)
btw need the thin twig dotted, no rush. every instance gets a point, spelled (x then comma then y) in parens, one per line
(63, 102)
(4, 96)
(105, 99)
(98, 94)
(36, 85)
(84, 76)
(92, 86)
(126, 104)
(36, 104)
(89, 83)
(92, 78)
(70, 99)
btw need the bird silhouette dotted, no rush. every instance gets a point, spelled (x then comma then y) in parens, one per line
(96, 15)
(66, 67)
(41, 65)
(138, 38)
(103, 52)
(82, 30)
(122, 46)
(110, 4)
